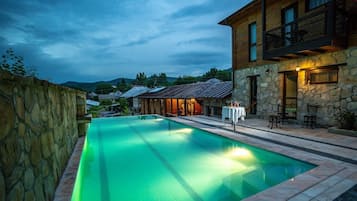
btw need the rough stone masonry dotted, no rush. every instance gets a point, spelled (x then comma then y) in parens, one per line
(38, 130)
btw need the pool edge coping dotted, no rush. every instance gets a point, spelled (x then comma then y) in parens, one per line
(294, 186)
(286, 190)
(66, 185)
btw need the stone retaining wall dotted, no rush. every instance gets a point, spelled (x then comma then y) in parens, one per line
(38, 130)
(330, 97)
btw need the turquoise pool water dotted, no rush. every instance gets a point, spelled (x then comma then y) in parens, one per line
(150, 158)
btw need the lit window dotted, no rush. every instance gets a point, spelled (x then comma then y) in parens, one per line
(320, 76)
(253, 42)
(311, 4)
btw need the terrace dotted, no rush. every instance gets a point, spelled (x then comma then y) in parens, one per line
(321, 30)
(335, 155)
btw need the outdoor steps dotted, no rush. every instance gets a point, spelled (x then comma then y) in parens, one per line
(256, 179)
(341, 176)
(236, 181)
(330, 188)
(228, 194)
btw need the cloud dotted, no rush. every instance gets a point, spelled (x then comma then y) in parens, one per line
(213, 41)
(142, 40)
(6, 20)
(89, 40)
(49, 34)
(198, 58)
(191, 11)
(21, 8)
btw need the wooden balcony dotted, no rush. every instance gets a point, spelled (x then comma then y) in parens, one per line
(321, 30)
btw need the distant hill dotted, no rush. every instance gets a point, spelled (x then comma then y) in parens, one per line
(90, 86)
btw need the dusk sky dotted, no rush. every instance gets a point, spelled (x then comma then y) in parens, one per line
(90, 40)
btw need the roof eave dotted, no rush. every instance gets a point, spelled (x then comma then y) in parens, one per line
(228, 21)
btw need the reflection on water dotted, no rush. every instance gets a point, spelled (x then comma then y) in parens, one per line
(144, 157)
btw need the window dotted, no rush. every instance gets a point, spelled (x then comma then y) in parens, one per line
(253, 42)
(311, 4)
(320, 76)
(289, 16)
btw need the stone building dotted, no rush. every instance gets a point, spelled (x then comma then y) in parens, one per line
(289, 54)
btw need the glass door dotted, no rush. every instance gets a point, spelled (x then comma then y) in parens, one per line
(290, 94)
(253, 95)
(289, 15)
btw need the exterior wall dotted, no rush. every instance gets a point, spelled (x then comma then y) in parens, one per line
(241, 41)
(213, 107)
(170, 106)
(267, 87)
(38, 125)
(273, 8)
(157, 107)
(240, 32)
(331, 97)
(136, 104)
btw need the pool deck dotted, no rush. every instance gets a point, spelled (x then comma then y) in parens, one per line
(335, 155)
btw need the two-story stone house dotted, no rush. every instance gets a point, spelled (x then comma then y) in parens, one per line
(293, 53)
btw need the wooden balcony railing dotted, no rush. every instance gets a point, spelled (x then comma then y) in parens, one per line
(321, 26)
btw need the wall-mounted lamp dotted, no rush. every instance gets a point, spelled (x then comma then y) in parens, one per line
(297, 68)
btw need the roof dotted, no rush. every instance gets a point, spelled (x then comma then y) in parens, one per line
(228, 20)
(92, 102)
(217, 90)
(213, 80)
(135, 91)
(106, 96)
(156, 89)
(195, 90)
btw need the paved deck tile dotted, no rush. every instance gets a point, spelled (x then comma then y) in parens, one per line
(334, 155)
(326, 182)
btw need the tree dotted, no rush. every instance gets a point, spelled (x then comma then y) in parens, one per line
(140, 79)
(157, 80)
(18, 66)
(103, 88)
(223, 75)
(210, 74)
(123, 86)
(185, 80)
(162, 80)
(152, 81)
(13, 63)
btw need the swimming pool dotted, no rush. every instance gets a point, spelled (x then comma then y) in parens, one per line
(155, 159)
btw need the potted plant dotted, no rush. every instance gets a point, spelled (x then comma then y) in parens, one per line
(347, 124)
(346, 120)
